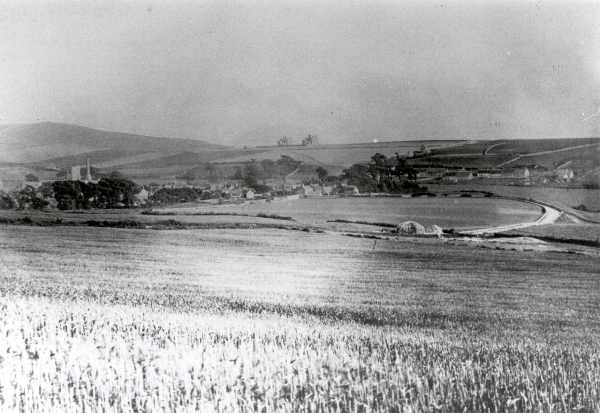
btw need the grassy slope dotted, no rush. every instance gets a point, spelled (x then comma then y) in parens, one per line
(42, 142)
(422, 325)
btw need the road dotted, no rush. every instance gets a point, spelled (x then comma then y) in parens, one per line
(489, 148)
(550, 216)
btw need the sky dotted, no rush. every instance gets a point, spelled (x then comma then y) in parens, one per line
(249, 72)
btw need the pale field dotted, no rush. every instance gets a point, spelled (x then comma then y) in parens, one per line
(444, 212)
(102, 319)
(561, 197)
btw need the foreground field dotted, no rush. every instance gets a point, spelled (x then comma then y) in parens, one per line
(137, 320)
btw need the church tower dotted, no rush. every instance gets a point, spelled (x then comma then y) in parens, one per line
(88, 172)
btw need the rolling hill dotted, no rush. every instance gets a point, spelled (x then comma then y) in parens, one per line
(58, 144)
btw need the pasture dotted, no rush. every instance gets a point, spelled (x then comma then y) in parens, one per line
(444, 212)
(566, 198)
(239, 320)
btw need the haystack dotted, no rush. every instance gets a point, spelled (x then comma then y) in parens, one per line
(414, 228)
(410, 228)
(434, 230)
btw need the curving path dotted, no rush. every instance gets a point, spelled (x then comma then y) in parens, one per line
(550, 216)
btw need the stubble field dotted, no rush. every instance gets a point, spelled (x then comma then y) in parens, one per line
(102, 319)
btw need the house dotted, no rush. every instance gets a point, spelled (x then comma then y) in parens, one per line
(307, 190)
(327, 190)
(350, 190)
(249, 194)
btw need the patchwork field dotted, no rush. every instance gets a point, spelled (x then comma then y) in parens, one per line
(138, 320)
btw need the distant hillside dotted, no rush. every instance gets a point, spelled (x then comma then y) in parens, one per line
(45, 148)
(581, 155)
(60, 144)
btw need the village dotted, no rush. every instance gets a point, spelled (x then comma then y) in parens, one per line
(36, 194)
(285, 178)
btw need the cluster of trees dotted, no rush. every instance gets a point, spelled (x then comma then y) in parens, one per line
(310, 140)
(6, 201)
(383, 174)
(253, 172)
(174, 195)
(112, 191)
(27, 198)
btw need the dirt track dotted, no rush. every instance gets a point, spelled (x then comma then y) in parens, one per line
(549, 216)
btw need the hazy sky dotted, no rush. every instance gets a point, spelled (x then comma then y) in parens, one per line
(249, 72)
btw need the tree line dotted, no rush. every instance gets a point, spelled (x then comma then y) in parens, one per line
(383, 174)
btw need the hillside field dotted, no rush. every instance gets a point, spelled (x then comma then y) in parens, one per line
(127, 320)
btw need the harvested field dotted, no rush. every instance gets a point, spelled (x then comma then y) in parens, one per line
(236, 320)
